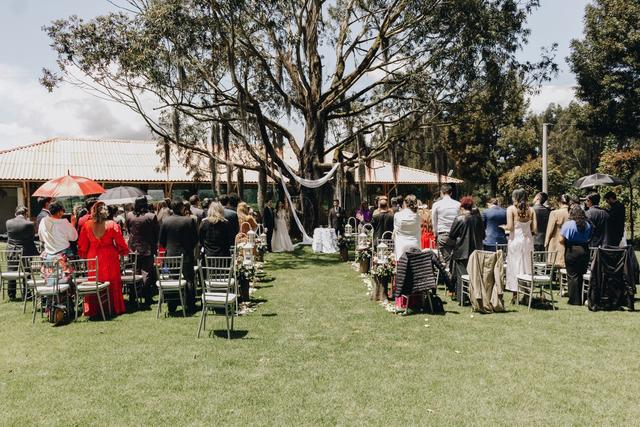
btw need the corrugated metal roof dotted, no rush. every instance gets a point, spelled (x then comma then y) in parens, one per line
(111, 160)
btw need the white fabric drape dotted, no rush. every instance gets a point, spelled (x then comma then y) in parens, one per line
(312, 183)
(306, 240)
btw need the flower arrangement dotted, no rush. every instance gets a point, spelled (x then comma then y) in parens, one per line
(343, 242)
(261, 247)
(385, 270)
(363, 254)
(245, 271)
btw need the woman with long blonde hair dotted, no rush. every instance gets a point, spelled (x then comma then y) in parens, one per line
(245, 219)
(215, 235)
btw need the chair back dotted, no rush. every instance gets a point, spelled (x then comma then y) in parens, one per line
(32, 266)
(169, 268)
(502, 247)
(592, 254)
(49, 270)
(216, 273)
(85, 271)
(543, 263)
(10, 260)
(129, 262)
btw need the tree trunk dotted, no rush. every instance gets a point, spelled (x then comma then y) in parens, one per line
(240, 184)
(262, 189)
(214, 174)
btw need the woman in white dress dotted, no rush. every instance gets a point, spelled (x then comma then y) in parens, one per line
(281, 242)
(521, 224)
(407, 227)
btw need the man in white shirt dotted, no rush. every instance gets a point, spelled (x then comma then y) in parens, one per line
(55, 232)
(443, 213)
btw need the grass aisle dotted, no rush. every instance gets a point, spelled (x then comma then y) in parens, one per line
(318, 352)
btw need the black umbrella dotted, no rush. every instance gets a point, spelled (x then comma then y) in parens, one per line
(121, 195)
(597, 180)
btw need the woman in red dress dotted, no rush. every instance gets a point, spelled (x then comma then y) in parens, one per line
(102, 238)
(427, 238)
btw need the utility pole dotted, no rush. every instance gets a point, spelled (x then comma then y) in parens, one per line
(545, 160)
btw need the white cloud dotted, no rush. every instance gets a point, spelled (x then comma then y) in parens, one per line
(28, 113)
(557, 94)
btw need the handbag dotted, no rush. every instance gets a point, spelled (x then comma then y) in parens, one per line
(57, 314)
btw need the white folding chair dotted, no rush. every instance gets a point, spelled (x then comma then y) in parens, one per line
(170, 281)
(32, 266)
(543, 265)
(51, 288)
(11, 269)
(130, 276)
(220, 290)
(85, 279)
(586, 278)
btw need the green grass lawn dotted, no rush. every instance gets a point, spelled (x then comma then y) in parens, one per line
(318, 352)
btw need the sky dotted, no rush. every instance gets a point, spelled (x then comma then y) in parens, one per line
(28, 113)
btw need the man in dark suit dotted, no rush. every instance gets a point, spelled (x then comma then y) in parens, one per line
(44, 212)
(143, 229)
(542, 219)
(598, 218)
(268, 221)
(336, 217)
(20, 235)
(382, 219)
(616, 223)
(230, 204)
(194, 202)
(178, 234)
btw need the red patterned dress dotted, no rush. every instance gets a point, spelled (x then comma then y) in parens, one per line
(108, 250)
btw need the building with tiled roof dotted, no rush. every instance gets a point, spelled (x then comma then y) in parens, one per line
(114, 162)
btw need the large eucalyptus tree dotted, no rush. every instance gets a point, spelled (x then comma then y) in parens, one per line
(317, 74)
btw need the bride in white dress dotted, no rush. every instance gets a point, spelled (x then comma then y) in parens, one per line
(281, 242)
(521, 224)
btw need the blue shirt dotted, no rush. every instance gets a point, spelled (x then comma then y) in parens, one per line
(493, 218)
(574, 236)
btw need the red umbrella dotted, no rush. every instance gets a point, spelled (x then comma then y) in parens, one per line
(69, 186)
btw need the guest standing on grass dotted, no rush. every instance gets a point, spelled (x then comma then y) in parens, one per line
(553, 241)
(406, 226)
(542, 213)
(443, 213)
(494, 219)
(598, 218)
(521, 224)
(88, 205)
(268, 221)
(144, 229)
(102, 238)
(20, 237)
(194, 207)
(363, 214)
(382, 220)
(576, 233)
(427, 238)
(230, 204)
(246, 221)
(336, 217)
(56, 233)
(467, 234)
(178, 235)
(215, 234)
(44, 212)
(616, 223)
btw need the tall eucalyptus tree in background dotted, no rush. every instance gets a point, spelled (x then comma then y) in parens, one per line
(321, 74)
